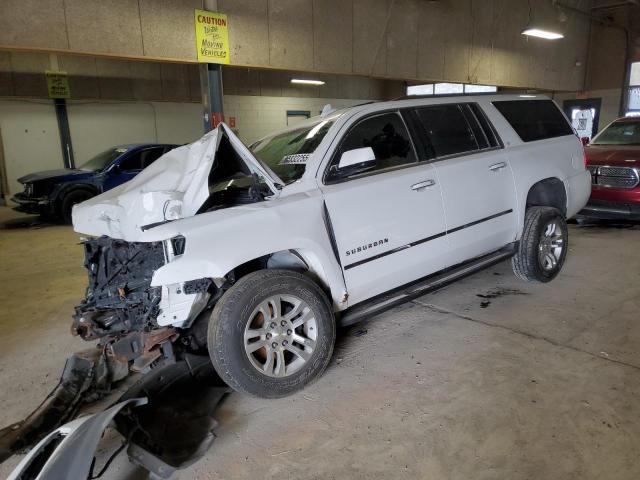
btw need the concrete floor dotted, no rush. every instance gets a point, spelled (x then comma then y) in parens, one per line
(489, 378)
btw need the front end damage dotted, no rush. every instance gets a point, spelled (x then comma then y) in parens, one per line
(134, 322)
(141, 326)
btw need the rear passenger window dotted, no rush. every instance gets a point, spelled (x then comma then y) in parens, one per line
(388, 138)
(534, 119)
(447, 130)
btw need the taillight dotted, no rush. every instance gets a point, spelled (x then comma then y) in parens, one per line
(584, 157)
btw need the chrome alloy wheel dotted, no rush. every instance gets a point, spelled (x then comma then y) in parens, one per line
(280, 336)
(550, 245)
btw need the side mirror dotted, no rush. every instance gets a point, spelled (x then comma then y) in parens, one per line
(584, 140)
(359, 156)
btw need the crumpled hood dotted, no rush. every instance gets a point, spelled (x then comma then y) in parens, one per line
(174, 186)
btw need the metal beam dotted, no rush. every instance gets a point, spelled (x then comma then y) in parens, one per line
(211, 85)
(65, 133)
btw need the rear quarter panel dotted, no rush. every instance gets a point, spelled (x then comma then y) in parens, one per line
(531, 162)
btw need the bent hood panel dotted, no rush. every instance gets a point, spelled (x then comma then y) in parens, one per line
(175, 186)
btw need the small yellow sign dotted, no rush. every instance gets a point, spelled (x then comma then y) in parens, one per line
(212, 37)
(57, 84)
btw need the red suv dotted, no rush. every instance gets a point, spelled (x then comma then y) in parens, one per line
(613, 158)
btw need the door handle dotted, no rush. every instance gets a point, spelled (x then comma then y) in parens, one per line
(421, 185)
(497, 166)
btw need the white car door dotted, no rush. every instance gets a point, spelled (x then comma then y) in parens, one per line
(387, 216)
(475, 177)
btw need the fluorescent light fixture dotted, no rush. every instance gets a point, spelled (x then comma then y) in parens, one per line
(302, 81)
(527, 96)
(537, 32)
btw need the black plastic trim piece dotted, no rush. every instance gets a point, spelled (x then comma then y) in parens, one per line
(329, 227)
(485, 219)
(420, 287)
(427, 239)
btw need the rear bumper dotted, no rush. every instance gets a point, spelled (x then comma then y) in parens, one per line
(26, 204)
(611, 210)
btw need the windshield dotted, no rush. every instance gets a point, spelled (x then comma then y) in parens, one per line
(287, 153)
(102, 160)
(619, 133)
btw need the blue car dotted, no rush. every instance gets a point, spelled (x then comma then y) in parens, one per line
(53, 193)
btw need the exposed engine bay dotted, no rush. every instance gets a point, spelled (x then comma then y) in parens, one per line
(119, 295)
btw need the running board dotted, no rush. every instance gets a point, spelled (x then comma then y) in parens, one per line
(428, 284)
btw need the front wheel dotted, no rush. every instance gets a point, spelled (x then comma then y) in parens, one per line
(272, 333)
(70, 199)
(543, 246)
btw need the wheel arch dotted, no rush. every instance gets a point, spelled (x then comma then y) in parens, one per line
(297, 259)
(66, 189)
(548, 192)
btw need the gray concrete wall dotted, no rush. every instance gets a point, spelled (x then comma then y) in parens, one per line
(475, 41)
(22, 75)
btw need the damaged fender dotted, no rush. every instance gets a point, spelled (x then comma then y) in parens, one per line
(216, 242)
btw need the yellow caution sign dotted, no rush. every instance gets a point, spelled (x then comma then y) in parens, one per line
(212, 37)
(57, 84)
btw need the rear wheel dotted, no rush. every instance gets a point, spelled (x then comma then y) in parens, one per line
(543, 246)
(70, 199)
(271, 334)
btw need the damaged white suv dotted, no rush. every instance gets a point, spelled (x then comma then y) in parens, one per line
(254, 254)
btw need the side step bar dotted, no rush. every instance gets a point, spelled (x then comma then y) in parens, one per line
(428, 284)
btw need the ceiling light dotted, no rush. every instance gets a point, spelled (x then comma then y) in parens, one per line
(527, 96)
(301, 81)
(537, 32)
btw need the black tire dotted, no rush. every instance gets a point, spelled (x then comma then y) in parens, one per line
(527, 263)
(69, 200)
(237, 307)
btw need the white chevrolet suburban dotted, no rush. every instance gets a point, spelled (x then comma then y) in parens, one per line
(254, 254)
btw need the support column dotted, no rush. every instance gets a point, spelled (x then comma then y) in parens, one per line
(211, 89)
(65, 133)
(211, 85)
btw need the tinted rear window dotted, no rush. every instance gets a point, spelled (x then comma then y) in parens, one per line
(534, 119)
(447, 130)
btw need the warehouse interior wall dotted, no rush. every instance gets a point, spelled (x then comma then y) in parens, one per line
(30, 138)
(462, 41)
(605, 73)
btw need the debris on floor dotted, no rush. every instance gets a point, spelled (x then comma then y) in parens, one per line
(495, 293)
(171, 428)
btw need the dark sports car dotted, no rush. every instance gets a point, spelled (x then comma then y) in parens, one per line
(53, 193)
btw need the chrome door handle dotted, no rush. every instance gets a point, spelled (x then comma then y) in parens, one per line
(421, 185)
(497, 166)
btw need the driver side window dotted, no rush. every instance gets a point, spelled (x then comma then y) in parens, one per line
(132, 162)
(386, 135)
